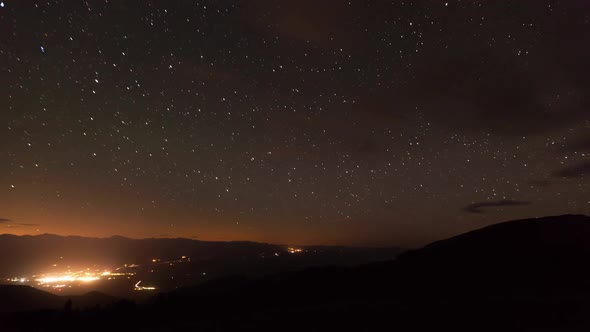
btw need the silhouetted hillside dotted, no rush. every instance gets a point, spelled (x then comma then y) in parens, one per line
(516, 256)
(525, 275)
(520, 254)
(19, 298)
(15, 298)
(520, 237)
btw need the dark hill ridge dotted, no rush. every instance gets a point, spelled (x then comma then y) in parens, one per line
(530, 272)
(555, 231)
(539, 252)
(14, 298)
(19, 298)
(522, 251)
(567, 231)
(524, 275)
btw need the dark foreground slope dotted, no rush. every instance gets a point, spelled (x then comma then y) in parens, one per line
(545, 254)
(20, 298)
(15, 298)
(528, 275)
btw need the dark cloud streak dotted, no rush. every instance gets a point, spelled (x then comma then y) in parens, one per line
(578, 145)
(13, 224)
(479, 207)
(575, 171)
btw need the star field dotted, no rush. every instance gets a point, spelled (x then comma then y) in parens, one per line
(332, 122)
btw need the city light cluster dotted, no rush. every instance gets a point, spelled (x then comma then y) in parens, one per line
(70, 277)
(294, 250)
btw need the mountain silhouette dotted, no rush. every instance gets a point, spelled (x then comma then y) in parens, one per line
(524, 275)
(15, 298)
(515, 255)
(519, 254)
(30, 254)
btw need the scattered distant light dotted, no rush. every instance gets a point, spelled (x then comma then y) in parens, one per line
(42, 49)
(141, 288)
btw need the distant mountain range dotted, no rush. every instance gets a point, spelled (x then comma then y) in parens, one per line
(29, 253)
(524, 275)
(165, 263)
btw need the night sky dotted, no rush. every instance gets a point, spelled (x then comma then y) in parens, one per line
(291, 121)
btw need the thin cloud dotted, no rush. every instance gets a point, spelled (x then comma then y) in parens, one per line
(539, 183)
(575, 171)
(480, 207)
(11, 223)
(581, 144)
